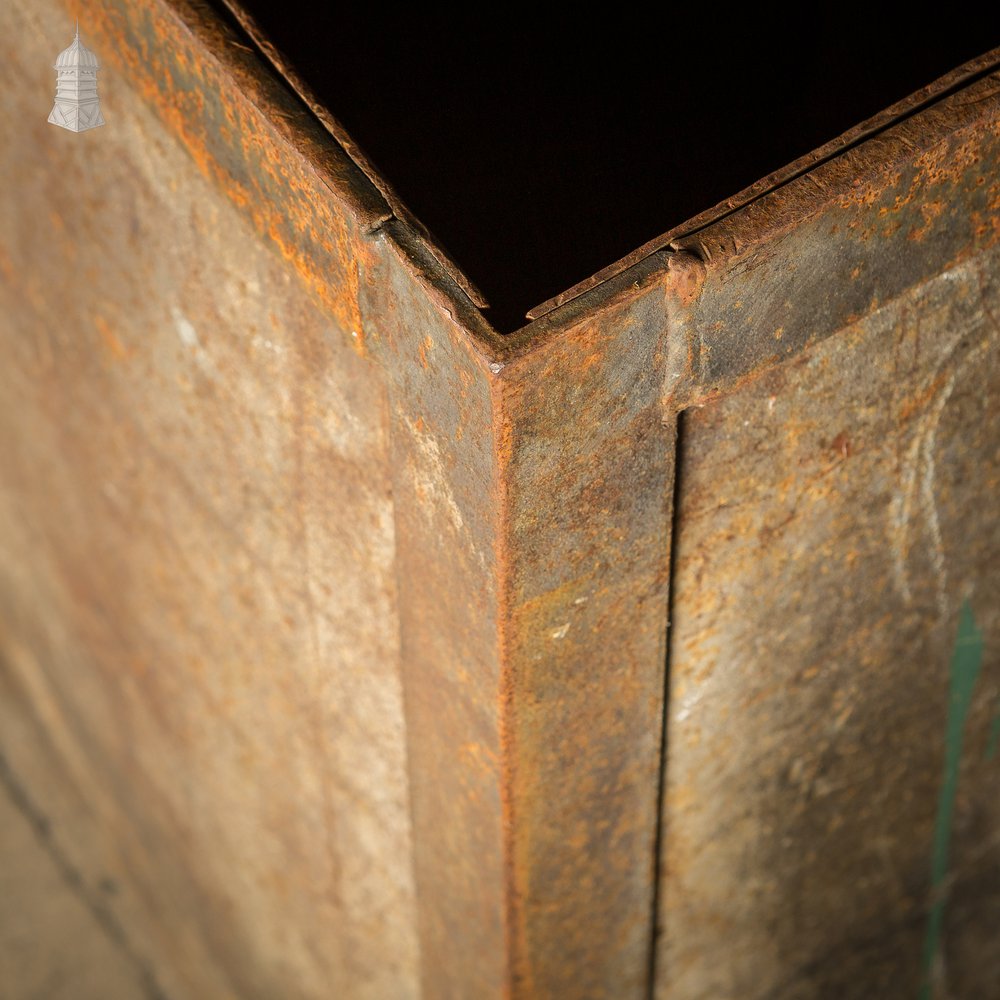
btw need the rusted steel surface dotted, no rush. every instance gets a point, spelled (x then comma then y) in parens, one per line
(252, 139)
(830, 246)
(589, 467)
(833, 517)
(199, 615)
(235, 269)
(445, 486)
(333, 625)
(399, 210)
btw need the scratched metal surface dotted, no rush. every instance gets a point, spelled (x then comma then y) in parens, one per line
(833, 516)
(52, 944)
(833, 512)
(198, 613)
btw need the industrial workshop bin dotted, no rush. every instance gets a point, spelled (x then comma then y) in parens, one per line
(334, 625)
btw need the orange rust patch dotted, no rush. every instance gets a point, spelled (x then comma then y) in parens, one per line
(930, 211)
(277, 172)
(111, 340)
(480, 756)
(987, 230)
(426, 346)
(686, 278)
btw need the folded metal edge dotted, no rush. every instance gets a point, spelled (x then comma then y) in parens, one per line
(285, 68)
(955, 80)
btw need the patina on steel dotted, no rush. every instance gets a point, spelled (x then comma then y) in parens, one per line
(828, 504)
(840, 374)
(334, 625)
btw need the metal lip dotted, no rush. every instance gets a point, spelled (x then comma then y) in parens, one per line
(916, 102)
(370, 197)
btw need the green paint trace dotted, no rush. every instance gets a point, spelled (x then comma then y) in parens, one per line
(994, 744)
(966, 661)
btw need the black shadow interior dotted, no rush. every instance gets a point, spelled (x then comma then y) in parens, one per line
(539, 147)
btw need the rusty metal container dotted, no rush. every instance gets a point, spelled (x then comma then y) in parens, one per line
(349, 648)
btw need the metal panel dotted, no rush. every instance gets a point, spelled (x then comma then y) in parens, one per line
(833, 518)
(333, 625)
(834, 513)
(589, 473)
(445, 487)
(199, 610)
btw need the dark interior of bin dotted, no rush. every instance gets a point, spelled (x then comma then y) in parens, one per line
(540, 147)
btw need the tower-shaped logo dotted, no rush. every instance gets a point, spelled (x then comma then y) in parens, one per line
(77, 106)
